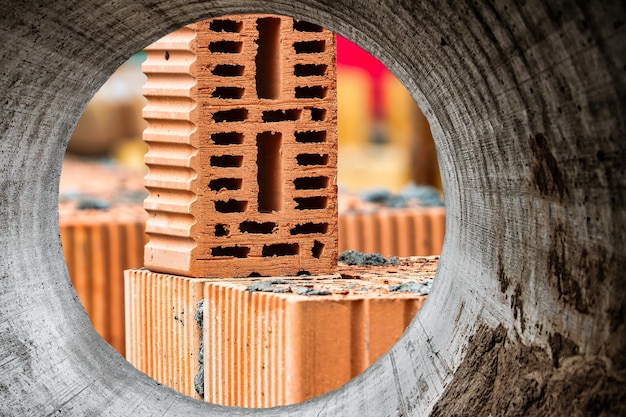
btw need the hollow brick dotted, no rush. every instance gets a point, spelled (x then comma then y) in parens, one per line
(263, 349)
(241, 114)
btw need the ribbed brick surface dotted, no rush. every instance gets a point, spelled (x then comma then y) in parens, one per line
(162, 336)
(393, 232)
(242, 133)
(263, 349)
(98, 247)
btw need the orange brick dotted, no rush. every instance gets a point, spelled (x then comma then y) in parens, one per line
(241, 114)
(98, 247)
(264, 349)
(413, 231)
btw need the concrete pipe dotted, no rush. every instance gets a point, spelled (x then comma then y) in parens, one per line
(526, 102)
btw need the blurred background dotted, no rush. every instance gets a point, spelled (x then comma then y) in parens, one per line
(390, 198)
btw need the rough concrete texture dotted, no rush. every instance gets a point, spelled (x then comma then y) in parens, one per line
(526, 103)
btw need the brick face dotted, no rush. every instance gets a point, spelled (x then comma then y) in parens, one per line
(274, 346)
(243, 149)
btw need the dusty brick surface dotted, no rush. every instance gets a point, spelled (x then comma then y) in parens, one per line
(269, 341)
(242, 132)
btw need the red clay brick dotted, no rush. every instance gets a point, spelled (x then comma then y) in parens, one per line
(239, 137)
(414, 231)
(264, 349)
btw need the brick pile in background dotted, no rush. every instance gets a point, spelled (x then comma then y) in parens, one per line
(242, 138)
(102, 223)
(390, 227)
(269, 341)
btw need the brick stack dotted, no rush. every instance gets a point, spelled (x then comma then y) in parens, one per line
(268, 341)
(242, 132)
(102, 224)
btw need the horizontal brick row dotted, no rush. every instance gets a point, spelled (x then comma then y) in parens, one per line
(267, 341)
(412, 231)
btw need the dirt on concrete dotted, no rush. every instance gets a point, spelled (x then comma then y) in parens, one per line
(536, 383)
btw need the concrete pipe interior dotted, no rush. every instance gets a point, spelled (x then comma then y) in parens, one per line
(526, 106)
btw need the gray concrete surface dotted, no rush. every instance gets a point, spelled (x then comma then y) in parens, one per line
(526, 104)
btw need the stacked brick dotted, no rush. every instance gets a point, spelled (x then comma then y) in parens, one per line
(242, 132)
(393, 232)
(264, 342)
(241, 114)
(102, 228)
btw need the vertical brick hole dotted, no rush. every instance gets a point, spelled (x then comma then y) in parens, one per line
(269, 174)
(318, 248)
(268, 80)
(222, 230)
(318, 115)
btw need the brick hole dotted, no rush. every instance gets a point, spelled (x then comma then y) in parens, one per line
(234, 115)
(166, 55)
(225, 25)
(231, 206)
(305, 159)
(311, 92)
(227, 161)
(311, 136)
(254, 275)
(281, 249)
(310, 183)
(225, 184)
(228, 70)
(318, 115)
(226, 47)
(309, 47)
(303, 273)
(269, 172)
(231, 251)
(268, 79)
(309, 70)
(302, 26)
(228, 92)
(227, 138)
(318, 248)
(222, 230)
(264, 228)
(309, 228)
(290, 115)
(311, 203)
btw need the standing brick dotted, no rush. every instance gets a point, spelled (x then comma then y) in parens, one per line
(243, 149)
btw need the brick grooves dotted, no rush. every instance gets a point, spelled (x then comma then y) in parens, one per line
(393, 232)
(98, 246)
(241, 127)
(264, 349)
